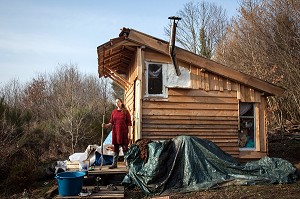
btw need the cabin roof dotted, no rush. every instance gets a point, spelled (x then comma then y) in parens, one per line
(116, 55)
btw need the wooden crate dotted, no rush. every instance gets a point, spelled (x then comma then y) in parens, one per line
(72, 165)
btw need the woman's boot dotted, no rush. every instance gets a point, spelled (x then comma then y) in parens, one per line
(115, 162)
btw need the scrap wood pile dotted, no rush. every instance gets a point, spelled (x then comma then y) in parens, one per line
(143, 147)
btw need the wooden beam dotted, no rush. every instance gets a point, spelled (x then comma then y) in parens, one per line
(190, 112)
(190, 106)
(209, 131)
(257, 125)
(117, 81)
(112, 45)
(252, 154)
(189, 122)
(201, 93)
(191, 117)
(116, 77)
(202, 99)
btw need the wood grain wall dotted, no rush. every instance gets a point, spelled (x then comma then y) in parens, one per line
(211, 115)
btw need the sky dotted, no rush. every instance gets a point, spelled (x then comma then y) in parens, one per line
(38, 36)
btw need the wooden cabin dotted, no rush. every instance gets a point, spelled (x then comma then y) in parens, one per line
(198, 97)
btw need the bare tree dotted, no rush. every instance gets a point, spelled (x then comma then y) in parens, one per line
(13, 120)
(264, 41)
(201, 28)
(35, 98)
(74, 104)
(12, 93)
(11, 115)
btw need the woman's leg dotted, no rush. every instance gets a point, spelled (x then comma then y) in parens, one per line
(116, 148)
(116, 156)
(125, 148)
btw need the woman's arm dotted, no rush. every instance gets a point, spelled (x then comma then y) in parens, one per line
(110, 121)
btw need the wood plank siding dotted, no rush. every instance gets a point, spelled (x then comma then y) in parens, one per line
(210, 115)
(129, 102)
(129, 99)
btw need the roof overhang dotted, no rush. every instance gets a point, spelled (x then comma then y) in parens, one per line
(115, 58)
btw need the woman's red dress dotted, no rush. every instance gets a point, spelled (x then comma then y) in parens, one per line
(120, 122)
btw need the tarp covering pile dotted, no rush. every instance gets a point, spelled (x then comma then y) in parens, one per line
(186, 164)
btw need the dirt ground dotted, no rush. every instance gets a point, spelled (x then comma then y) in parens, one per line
(286, 147)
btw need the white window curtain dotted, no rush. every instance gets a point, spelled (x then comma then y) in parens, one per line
(155, 74)
(244, 108)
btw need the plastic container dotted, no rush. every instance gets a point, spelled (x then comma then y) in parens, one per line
(84, 165)
(70, 183)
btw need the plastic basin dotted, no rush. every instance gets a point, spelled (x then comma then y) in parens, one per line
(70, 183)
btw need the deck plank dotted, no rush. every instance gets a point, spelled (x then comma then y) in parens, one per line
(105, 170)
(104, 192)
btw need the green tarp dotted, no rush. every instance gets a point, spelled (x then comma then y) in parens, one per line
(185, 164)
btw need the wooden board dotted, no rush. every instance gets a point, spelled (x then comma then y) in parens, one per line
(104, 192)
(105, 170)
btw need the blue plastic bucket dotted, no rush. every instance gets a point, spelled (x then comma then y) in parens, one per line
(70, 183)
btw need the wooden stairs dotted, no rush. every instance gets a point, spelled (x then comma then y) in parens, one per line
(102, 183)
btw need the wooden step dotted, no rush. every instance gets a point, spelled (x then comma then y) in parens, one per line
(105, 192)
(121, 169)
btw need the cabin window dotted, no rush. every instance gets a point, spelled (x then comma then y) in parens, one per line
(155, 79)
(247, 126)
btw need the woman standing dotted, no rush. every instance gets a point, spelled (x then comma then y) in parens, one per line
(119, 121)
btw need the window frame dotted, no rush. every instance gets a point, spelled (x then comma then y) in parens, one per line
(164, 88)
(253, 118)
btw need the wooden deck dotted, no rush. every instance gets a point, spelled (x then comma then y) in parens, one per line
(105, 170)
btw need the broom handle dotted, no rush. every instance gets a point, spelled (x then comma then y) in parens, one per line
(102, 143)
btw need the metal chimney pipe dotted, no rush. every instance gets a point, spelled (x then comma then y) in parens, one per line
(172, 43)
